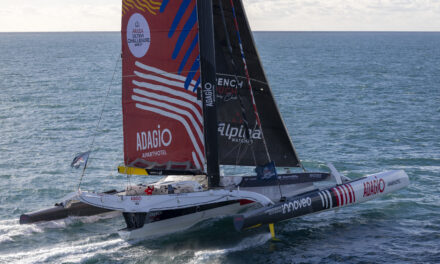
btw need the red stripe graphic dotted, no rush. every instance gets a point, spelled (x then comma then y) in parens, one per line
(345, 193)
(341, 195)
(349, 193)
(337, 197)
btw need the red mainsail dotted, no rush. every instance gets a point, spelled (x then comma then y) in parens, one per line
(162, 117)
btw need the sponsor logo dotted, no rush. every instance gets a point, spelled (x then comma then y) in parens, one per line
(273, 211)
(152, 139)
(374, 187)
(237, 134)
(138, 35)
(296, 204)
(315, 176)
(391, 183)
(232, 83)
(227, 88)
(136, 199)
(154, 214)
(157, 153)
(268, 173)
(208, 94)
(290, 177)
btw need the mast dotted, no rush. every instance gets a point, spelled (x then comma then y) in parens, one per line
(208, 80)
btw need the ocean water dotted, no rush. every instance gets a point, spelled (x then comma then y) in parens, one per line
(366, 102)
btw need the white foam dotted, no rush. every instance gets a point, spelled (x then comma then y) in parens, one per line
(77, 251)
(12, 228)
(254, 241)
(91, 219)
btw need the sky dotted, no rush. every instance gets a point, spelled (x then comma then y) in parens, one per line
(280, 15)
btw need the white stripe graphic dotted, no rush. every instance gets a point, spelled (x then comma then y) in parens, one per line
(177, 84)
(352, 191)
(163, 73)
(171, 100)
(326, 199)
(172, 108)
(161, 88)
(329, 195)
(322, 200)
(196, 161)
(348, 194)
(181, 120)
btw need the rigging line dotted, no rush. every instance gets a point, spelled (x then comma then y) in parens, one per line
(128, 178)
(100, 118)
(252, 146)
(235, 70)
(252, 94)
(238, 154)
(249, 80)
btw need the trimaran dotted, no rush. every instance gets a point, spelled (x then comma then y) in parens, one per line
(194, 97)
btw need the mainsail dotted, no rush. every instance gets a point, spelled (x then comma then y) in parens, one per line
(240, 138)
(167, 59)
(162, 116)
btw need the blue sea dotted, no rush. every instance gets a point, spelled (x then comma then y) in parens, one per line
(365, 101)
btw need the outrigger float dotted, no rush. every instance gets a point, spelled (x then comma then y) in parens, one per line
(69, 206)
(195, 97)
(344, 194)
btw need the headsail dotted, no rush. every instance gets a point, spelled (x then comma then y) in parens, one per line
(234, 102)
(162, 117)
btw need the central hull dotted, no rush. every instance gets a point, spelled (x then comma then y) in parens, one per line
(150, 216)
(181, 223)
(146, 225)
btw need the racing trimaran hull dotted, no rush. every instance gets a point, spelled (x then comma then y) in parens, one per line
(70, 206)
(144, 221)
(194, 97)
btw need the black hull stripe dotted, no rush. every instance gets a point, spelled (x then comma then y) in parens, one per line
(137, 220)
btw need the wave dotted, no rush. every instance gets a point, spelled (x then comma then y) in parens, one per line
(250, 242)
(9, 229)
(75, 252)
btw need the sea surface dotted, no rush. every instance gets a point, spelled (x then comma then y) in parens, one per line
(367, 102)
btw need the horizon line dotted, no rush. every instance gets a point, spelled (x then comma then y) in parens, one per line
(265, 31)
